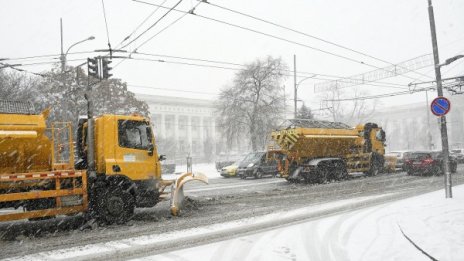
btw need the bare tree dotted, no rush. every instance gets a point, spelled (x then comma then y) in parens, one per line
(353, 111)
(254, 104)
(65, 94)
(17, 86)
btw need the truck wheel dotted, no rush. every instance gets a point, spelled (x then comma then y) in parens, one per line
(115, 206)
(375, 167)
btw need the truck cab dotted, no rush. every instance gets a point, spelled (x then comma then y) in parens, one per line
(126, 157)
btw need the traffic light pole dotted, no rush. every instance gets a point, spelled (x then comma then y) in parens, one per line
(90, 132)
(443, 128)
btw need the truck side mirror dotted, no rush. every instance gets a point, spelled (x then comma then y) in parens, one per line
(151, 149)
(162, 157)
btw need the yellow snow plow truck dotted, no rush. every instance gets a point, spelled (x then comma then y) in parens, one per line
(317, 151)
(39, 175)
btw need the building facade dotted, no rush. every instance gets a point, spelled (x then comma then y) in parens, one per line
(414, 127)
(183, 126)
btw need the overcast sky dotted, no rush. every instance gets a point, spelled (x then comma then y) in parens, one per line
(390, 30)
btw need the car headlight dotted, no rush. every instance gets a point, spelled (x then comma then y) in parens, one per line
(250, 165)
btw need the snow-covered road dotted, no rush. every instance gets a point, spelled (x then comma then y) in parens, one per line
(433, 223)
(234, 210)
(142, 244)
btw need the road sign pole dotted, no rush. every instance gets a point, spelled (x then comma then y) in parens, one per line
(443, 128)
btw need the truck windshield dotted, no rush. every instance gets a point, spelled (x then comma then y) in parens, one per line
(134, 134)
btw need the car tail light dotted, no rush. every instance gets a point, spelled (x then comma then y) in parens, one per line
(428, 161)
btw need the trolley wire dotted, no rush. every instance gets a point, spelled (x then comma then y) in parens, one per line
(140, 25)
(271, 36)
(151, 26)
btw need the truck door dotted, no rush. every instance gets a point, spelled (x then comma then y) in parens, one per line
(135, 154)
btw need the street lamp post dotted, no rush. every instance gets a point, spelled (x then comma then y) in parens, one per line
(296, 84)
(63, 55)
(296, 91)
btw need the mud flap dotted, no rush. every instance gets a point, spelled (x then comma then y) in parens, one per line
(177, 190)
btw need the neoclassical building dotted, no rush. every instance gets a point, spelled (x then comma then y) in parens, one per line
(190, 123)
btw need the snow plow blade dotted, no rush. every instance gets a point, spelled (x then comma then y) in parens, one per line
(177, 190)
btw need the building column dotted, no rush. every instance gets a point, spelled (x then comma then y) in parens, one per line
(176, 130)
(202, 134)
(189, 133)
(213, 135)
(163, 126)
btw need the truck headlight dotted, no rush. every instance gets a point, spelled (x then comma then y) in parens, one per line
(250, 165)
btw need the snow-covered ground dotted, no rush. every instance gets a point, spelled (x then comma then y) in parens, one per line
(209, 169)
(142, 243)
(434, 223)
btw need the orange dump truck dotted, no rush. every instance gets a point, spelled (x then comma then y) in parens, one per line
(317, 151)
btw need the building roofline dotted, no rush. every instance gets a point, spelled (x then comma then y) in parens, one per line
(169, 100)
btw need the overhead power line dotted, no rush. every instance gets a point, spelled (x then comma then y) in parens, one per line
(106, 24)
(270, 35)
(169, 25)
(242, 67)
(151, 26)
(159, 32)
(45, 56)
(13, 67)
(303, 33)
(220, 65)
(262, 33)
(140, 25)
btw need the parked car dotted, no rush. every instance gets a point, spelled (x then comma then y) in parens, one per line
(427, 163)
(459, 154)
(225, 160)
(230, 171)
(257, 165)
(400, 157)
(222, 164)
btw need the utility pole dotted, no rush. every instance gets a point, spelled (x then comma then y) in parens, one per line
(62, 52)
(427, 108)
(443, 129)
(294, 84)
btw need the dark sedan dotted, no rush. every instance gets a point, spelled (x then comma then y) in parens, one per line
(427, 163)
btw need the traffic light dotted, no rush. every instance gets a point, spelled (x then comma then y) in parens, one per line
(106, 69)
(92, 65)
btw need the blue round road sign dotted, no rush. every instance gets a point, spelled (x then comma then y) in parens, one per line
(440, 106)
